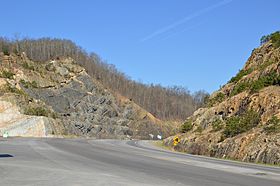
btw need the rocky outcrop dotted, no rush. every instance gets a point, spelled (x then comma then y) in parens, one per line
(72, 101)
(17, 124)
(237, 123)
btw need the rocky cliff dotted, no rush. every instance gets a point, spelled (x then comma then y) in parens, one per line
(242, 119)
(59, 98)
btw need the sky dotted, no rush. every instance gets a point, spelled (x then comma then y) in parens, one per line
(197, 44)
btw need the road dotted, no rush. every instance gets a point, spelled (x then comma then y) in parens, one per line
(31, 161)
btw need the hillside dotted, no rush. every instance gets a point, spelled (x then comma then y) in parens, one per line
(165, 103)
(58, 98)
(242, 119)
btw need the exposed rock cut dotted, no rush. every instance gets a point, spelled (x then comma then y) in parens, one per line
(219, 130)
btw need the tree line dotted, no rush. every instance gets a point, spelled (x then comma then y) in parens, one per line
(167, 103)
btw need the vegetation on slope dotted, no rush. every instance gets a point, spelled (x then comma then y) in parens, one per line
(273, 125)
(274, 38)
(254, 86)
(220, 97)
(239, 75)
(187, 126)
(6, 74)
(241, 123)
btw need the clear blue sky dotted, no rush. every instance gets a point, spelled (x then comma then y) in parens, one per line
(198, 44)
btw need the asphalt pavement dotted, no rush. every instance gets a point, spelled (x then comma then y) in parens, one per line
(74, 162)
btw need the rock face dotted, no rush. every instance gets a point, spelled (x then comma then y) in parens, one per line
(17, 124)
(72, 102)
(242, 119)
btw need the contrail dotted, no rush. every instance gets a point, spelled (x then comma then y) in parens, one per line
(185, 19)
(181, 31)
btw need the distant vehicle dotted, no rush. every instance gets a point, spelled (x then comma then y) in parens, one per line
(6, 134)
(159, 137)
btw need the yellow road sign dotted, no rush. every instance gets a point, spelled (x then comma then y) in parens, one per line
(176, 140)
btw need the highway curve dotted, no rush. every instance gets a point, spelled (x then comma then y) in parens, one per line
(32, 161)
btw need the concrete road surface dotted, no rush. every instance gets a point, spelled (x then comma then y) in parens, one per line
(76, 162)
